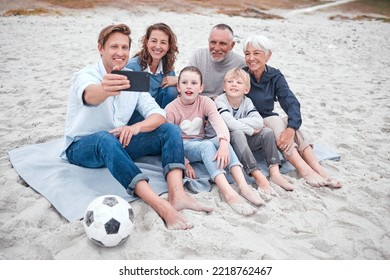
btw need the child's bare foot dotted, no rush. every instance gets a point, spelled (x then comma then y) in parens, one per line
(248, 192)
(265, 187)
(267, 191)
(281, 181)
(262, 182)
(238, 204)
(183, 201)
(243, 209)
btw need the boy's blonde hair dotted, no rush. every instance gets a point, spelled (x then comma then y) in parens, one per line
(238, 73)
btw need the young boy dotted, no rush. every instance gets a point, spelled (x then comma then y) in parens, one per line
(247, 131)
(189, 111)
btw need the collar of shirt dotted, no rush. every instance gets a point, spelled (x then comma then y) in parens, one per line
(159, 69)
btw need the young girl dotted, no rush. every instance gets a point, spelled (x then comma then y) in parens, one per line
(190, 111)
(247, 131)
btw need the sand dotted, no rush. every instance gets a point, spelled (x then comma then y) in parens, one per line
(339, 70)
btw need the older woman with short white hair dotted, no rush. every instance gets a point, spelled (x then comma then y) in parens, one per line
(268, 85)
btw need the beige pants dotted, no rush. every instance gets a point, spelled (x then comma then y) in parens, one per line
(278, 125)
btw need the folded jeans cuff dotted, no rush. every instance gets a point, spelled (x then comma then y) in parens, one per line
(172, 166)
(134, 182)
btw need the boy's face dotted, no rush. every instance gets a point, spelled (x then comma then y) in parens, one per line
(235, 87)
(189, 87)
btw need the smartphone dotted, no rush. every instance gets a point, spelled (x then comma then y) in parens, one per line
(139, 81)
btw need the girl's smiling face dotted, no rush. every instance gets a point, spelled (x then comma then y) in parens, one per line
(189, 86)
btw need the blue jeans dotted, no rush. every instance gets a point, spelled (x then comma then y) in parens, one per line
(102, 149)
(165, 96)
(204, 150)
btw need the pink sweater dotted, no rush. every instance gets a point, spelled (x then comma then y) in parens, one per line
(192, 118)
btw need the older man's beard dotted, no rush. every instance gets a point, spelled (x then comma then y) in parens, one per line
(219, 59)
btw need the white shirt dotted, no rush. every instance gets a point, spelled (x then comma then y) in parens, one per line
(159, 69)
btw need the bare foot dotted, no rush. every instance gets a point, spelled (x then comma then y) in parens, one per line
(264, 186)
(174, 220)
(243, 209)
(333, 183)
(235, 201)
(267, 197)
(281, 181)
(315, 180)
(239, 205)
(248, 192)
(262, 182)
(184, 201)
(330, 182)
(267, 191)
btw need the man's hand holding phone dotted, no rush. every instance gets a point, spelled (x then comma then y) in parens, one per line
(113, 84)
(139, 80)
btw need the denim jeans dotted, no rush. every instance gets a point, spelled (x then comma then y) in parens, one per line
(102, 149)
(204, 150)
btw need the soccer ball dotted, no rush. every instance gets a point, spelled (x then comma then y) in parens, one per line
(108, 220)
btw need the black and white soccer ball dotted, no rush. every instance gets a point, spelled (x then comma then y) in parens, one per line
(108, 220)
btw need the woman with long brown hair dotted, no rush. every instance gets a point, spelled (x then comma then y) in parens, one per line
(157, 56)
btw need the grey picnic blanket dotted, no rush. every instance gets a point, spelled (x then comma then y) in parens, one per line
(70, 188)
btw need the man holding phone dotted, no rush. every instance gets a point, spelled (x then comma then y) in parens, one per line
(96, 134)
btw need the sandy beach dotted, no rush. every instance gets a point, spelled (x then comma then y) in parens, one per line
(340, 71)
